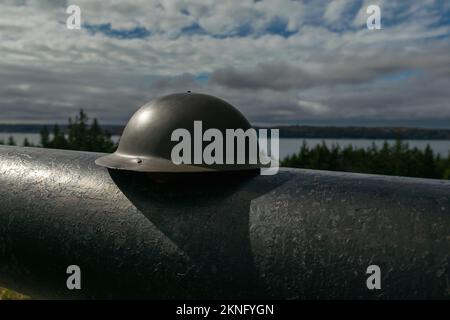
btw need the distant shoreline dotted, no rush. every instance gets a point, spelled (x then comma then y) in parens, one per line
(306, 132)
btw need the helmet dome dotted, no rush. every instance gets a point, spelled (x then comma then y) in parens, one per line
(146, 143)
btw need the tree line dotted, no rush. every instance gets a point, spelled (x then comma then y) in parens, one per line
(80, 135)
(391, 159)
(397, 159)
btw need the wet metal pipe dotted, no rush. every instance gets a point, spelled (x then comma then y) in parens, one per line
(298, 234)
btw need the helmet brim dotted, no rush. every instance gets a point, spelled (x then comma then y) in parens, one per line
(161, 165)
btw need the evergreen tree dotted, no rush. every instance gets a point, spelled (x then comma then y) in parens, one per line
(98, 139)
(27, 143)
(11, 141)
(429, 163)
(59, 140)
(80, 136)
(396, 159)
(45, 138)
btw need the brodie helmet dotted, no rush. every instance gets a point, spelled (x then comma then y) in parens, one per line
(146, 143)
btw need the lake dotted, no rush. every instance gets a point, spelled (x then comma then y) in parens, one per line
(291, 145)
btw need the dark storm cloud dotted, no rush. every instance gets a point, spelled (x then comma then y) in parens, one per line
(275, 76)
(281, 75)
(40, 95)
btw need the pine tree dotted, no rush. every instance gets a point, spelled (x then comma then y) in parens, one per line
(27, 143)
(45, 138)
(59, 140)
(80, 136)
(11, 141)
(395, 159)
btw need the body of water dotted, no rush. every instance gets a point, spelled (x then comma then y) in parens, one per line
(292, 145)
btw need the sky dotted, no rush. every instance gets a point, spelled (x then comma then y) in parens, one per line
(278, 61)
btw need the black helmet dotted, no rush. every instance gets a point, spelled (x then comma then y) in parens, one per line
(146, 143)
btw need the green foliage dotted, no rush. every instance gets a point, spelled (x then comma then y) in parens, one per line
(80, 136)
(397, 159)
(447, 173)
(27, 143)
(10, 142)
(6, 294)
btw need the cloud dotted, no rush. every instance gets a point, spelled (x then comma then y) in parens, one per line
(279, 61)
(313, 107)
(335, 10)
(329, 71)
(275, 76)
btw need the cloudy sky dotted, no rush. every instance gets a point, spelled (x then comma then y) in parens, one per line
(278, 61)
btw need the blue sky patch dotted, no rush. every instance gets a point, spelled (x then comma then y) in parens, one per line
(107, 30)
(403, 75)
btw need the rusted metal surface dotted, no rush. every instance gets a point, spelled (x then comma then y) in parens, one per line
(298, 234)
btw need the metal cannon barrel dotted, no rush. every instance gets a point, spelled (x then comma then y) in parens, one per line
(298, 234)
